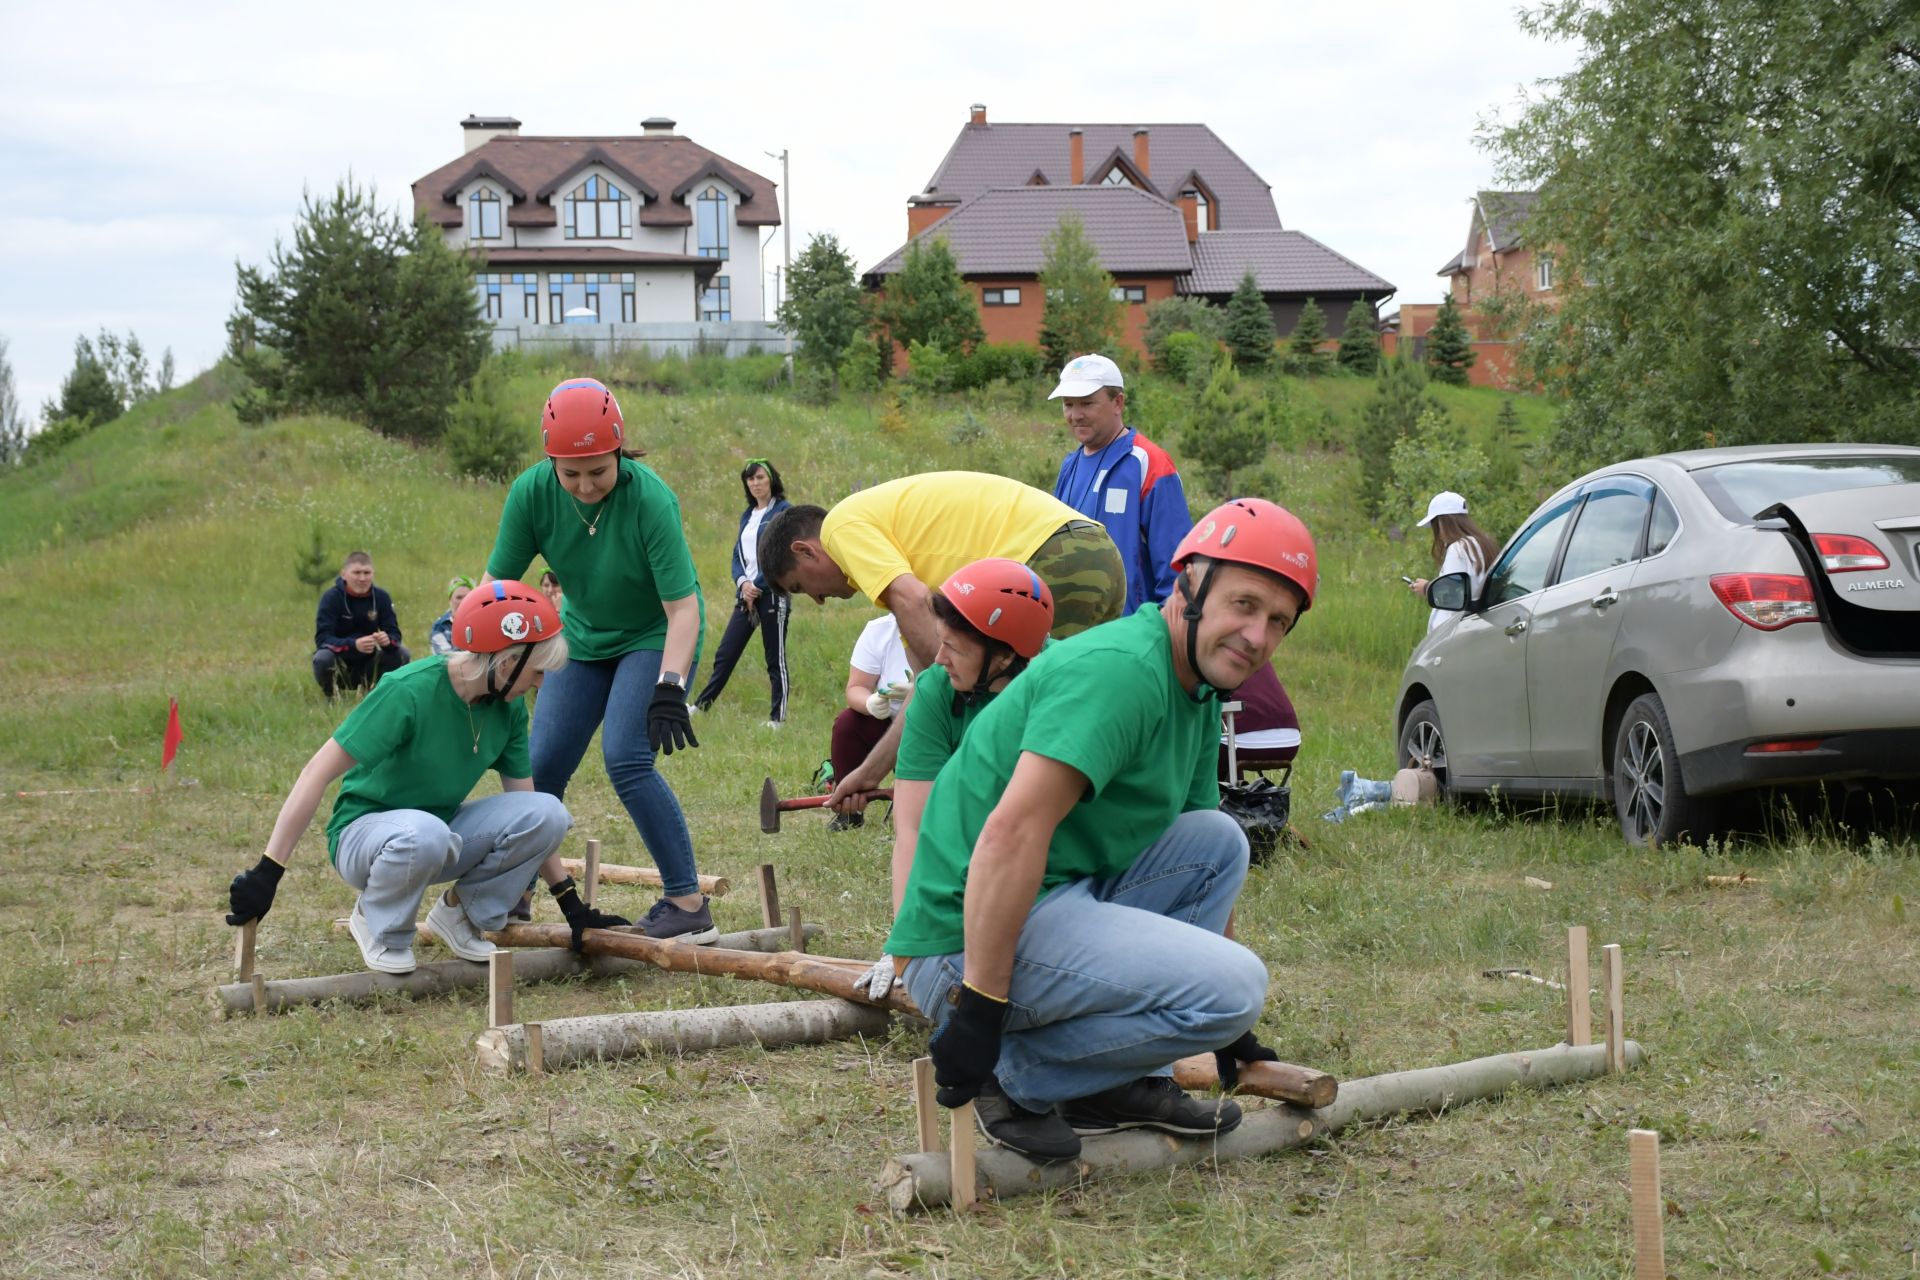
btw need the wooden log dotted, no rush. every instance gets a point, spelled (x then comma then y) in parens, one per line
(1611, 980)
(1535, 882)
(568, 1042)
(1282, 1081)
(243, 948)
(620, 873)
(454, 975)
(769, 897)
(926, 1112)
(590, 872)
(962, 1172)
(784, 968)
(1649, 1226)
(500, 988)
(922, 1180)
(1733, 882)
(1579, 1014)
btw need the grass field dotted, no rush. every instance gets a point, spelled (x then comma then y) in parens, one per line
(138, 1136)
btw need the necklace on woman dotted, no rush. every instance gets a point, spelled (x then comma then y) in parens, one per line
(471, 727)
(582, 519)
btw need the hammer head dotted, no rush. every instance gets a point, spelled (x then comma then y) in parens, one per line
(769, 807)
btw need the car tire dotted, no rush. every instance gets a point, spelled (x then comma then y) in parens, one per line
(1422, 739)
(1649, 795)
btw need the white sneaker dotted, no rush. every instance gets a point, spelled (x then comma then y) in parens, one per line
(450, 924)
(774, 724)
(380, 959)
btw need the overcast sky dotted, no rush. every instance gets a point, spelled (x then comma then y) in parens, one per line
(144, 148)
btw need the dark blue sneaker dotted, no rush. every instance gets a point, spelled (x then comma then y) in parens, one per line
(1153, 1102)
(1040, 1136)
(668, 923)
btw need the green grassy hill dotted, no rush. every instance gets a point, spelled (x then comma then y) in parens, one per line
(154, 557)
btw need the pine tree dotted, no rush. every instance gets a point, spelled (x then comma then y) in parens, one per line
(1450, 346)
(87, 393)
(1400, 400)
(1249, 327)
(927, 301)
(1360, 340)
(13, 427)
(1508, 446)
(1309, 331)
(1081, 313)
(825, 308)
(1231, 430)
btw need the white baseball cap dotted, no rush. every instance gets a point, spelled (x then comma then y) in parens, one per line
(1085, 375)
(1446, 503)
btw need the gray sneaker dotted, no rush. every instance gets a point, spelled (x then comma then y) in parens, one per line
(668, 923)
(1152, 1102)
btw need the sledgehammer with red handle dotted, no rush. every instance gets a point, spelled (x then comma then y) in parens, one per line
(772, 806)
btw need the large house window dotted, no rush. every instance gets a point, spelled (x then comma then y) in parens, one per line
(575, 297)
(1129, 293)
(484, 223)
(487, 284)
(1543, 274)
(528, 284)
(999, 297)
(717, 302)
(711, 219)
(597, 210)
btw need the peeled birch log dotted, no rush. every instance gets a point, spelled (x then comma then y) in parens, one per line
(618, 873)
(1283, 1081)
(452, 975)
(922, 1180)
(568, 1042)
(827, 975)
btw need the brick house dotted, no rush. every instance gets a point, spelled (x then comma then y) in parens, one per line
(1497, 259)
(1170, 208)
(608, 230)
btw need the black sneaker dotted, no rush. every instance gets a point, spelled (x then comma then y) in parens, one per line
(1152, 1102)
(1038, 1135)
(522, 910)
(847, 821)
(668, 923)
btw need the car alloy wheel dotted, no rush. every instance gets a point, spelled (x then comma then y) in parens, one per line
(1642, 782)
(1422, 741)
(1649, 794)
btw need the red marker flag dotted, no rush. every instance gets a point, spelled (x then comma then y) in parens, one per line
(171, 742)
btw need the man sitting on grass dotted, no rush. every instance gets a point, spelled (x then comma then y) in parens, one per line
(356, 635)
(1074, 874)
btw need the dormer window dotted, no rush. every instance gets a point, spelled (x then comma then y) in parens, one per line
(710, 218)
(483, 223)
(1202, 208)
(1116, 177)
(597, 210)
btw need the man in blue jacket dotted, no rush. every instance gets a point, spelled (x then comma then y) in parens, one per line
(356, 637)
(1120, 478)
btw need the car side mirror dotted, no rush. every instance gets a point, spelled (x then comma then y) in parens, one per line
(1449, 592)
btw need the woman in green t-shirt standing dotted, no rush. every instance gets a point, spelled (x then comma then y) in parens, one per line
(611, 529)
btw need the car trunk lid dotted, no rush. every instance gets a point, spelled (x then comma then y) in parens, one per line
(1861, 550)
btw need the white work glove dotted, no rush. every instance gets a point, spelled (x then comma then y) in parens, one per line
(879, 705)
(877, 981)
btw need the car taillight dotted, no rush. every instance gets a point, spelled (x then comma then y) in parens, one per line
(1768, 601)
(1844, 553)
(1784, 747)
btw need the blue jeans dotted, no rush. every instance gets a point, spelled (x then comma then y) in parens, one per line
(486, 849)
(1119, 978)
(613, 695)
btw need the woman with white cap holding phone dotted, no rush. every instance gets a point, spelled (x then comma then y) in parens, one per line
(1459, 546)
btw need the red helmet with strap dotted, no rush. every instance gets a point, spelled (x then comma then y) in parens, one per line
(1005, 601)
(581, 420)
(500, 614)
(1262, 534)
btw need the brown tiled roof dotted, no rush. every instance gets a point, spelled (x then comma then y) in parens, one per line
(986, 156)
(1003, 231)
(534, 164)
(600, 258)
(1286, 262)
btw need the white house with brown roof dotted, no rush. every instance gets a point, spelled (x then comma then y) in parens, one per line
(646, 229)
(1171, 208)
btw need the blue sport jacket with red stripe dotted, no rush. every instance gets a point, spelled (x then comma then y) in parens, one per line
(1132, 488)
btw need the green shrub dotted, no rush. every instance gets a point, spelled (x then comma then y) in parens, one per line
(1177, 315)
(486, 436)
(930, 368)
(991, 362)
(1187, 357)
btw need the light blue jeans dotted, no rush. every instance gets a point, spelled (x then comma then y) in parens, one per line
(487, 850)
(613, 695)
(1119, 978)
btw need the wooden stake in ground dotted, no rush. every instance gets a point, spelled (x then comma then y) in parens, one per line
(608, 1037)
(1649, 1227)
(923, 1180)
(769, 898)
(960, 1167)
(536, 1035)
(799, 934)
(257, 989)
(590, 871)
(500, 988)
(1579, 1014)
(243, 951)
(1611, 982)
(926, 1112)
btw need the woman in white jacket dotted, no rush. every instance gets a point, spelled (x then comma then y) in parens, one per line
(1459, 546)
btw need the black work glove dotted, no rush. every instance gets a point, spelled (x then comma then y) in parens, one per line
(1246, 1049)
(668, 724)
(251, 893)
(580, 916)
(967, 1047)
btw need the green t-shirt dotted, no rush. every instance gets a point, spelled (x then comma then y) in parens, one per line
(615, 577)
(415, 747)
(931, 731)
(1106, 703)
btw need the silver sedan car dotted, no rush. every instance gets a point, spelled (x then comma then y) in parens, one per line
(1668, 632)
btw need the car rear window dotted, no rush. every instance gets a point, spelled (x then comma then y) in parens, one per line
(1740, 489)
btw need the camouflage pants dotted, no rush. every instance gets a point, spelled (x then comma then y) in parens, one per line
(1082, 568)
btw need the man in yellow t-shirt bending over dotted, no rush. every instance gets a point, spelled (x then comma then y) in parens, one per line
(894, 542)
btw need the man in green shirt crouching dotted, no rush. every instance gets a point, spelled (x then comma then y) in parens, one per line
(1073, 877)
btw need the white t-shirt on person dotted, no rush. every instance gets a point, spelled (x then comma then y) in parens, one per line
(879, 652)
(1462, 557)
(750, 544)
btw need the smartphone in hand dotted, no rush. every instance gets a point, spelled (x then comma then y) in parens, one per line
(1404, 578)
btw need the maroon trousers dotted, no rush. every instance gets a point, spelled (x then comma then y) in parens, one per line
(855, 733)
